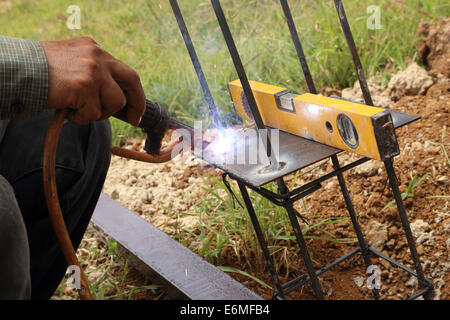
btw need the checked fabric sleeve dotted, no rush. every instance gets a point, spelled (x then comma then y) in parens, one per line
(23, 78)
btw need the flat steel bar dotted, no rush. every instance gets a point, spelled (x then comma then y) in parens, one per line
(354, 52)
(406, 227)
(244, 80)
(171, 264)
(196, 63)
(259, 234)
(298, 46)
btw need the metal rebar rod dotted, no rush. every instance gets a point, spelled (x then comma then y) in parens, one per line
(305, 193)
(312, 89)
(328, 176)
(351, 210)
(280, 200)
(428, 283)
(406, 227)
(301, 242)
(418, 294)
(244, 81)
(353, 51)
(259, 234)
(298, 46)
(334, 158)
(196, 63)
(303, 279)
(393, 262)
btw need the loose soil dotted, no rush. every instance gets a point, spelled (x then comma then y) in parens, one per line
(158, 191)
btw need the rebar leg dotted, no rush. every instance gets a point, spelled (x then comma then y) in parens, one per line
(301, 242)
(351, 210)
(260, 236)
(423, 282)
(298, 46)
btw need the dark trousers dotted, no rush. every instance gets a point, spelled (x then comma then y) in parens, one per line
(29, 251)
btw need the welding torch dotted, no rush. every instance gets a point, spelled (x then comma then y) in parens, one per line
(155, 122)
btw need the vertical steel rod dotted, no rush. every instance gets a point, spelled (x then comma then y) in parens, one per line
(334, 158)
(260, 236)
(301, 242)
(244, 80)
(353, 51)
(351, 210)
(424, 284)
(298, 46)
(196, 62)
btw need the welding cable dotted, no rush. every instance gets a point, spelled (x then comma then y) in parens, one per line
(51, 193)
(164, 155)
(51, 197)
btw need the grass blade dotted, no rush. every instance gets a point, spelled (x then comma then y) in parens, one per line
(234, 270)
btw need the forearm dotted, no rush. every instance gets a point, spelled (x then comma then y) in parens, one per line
(24, 78)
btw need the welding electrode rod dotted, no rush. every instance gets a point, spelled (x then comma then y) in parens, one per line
(353, 51)
(298, 46)
(196, 62)
(243, 77)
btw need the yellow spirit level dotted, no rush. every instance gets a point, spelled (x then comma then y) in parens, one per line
(339, 123)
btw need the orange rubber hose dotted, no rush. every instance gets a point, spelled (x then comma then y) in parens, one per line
(51, 193)
(51, 197)
(164, 155)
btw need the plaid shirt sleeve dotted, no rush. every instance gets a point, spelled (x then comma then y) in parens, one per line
(23, 78)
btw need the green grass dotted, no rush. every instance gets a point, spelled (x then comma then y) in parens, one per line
(109, 285)
(442, 144)
(224, 223)
(144, 34)
(415, 181)
(234, 270)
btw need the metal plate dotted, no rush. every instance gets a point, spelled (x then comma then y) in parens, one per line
(296, 152)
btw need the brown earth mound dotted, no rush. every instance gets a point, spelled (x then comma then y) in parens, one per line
(434, 48)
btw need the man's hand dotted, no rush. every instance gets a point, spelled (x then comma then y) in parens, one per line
(92, 83)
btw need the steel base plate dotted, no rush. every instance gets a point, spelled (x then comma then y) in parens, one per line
(295, 153)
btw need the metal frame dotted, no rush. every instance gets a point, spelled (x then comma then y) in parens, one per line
(285, 197)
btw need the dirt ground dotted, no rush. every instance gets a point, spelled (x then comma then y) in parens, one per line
(157, 191)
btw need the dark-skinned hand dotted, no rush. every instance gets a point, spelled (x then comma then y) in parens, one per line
(90, 82)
